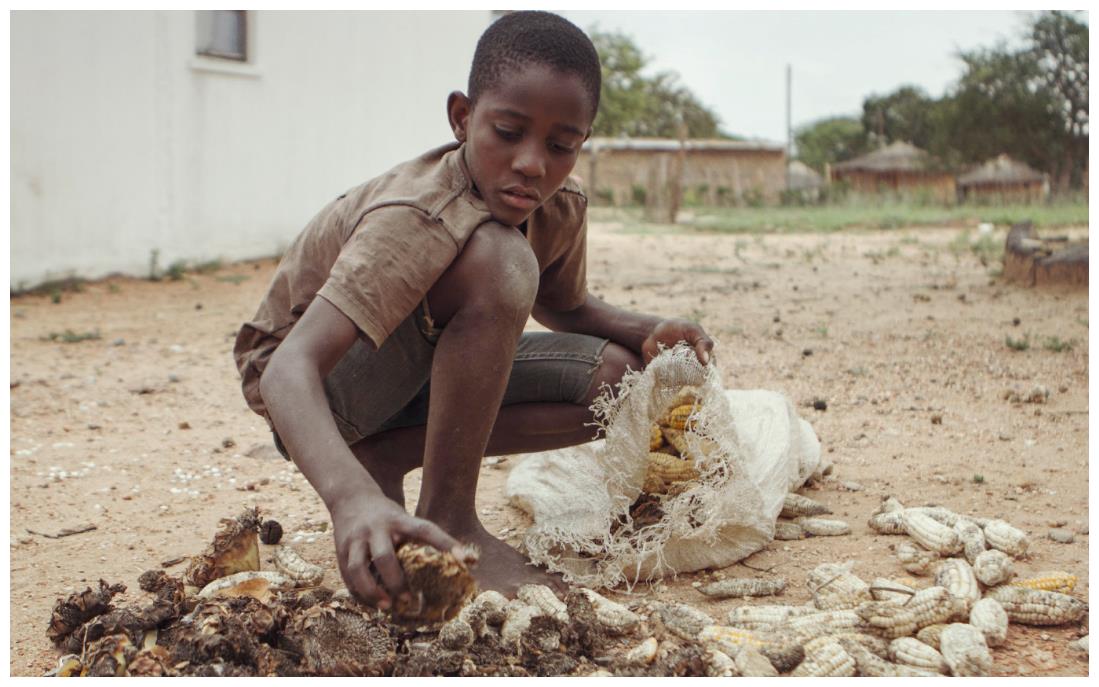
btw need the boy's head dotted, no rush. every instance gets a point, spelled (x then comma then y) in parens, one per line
(533, 94)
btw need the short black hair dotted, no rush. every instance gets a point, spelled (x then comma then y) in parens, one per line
(521, 38)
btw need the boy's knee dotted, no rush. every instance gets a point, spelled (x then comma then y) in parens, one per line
(613, 364)
(495, 275)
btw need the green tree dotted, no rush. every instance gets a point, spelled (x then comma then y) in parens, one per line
(633, 104)
(1059, 44)
(906, 114)
(830, 140)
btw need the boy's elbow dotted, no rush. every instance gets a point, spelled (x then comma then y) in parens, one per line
(273, 383)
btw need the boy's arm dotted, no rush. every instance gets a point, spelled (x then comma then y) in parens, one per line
(638, 332)
(366, 524)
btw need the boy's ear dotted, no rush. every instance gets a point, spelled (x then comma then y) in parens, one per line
(458, 110)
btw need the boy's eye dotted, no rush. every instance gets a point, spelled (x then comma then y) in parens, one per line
(508, 134)
(561, 148)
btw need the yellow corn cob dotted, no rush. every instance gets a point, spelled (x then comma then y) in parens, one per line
(824, 657)
(1048, 580)
(835, 587)
(796, 505)
(868, 664)
(734, 587)
(973, 539)
(889, 522)
(882, 589)
(990, 618)
(675, 440)
(914, 559)
(993, 567)
(541, 596)
(1038, 607)
(751, 663)
(926, 607)
(728, 640)
(656, 437)
(931, 534)
(788, 531)
(765, 617)
(1002, 536)
(931, 634)
(679, 417)
(958, 578)
(965, 651)
(821, 527)
(670, 469)
(912, 652)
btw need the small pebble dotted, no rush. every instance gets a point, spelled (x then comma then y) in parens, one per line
(118, 342)
(820, 404)
(807, 352)
(1058, 523)
(936, 419)
(174, 379)
(1016, 321)
(851, 486)
(1061, 536)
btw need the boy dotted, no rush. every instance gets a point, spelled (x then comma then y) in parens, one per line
(392, 334)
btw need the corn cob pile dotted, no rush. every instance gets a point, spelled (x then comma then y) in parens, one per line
(670, 461)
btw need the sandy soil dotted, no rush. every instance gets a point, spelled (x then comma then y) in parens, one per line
(144, 434)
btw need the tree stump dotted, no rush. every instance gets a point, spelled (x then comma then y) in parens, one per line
(1032, 261)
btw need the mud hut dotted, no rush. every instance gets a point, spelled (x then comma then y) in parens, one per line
(622, 171)
(1003, 180)
(900, 169)
(803, 182)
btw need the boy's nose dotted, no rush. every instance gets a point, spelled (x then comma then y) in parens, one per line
(529, 163)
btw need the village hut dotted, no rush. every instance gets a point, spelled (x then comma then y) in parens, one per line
(900, 169)
(624, 171)
(802, 182)
(1003, 180)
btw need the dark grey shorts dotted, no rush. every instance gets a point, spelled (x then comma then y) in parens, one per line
(371, 392)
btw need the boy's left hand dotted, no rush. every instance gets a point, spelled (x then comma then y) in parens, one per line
(670, 332)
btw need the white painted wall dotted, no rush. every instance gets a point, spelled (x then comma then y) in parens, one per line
(124, 142)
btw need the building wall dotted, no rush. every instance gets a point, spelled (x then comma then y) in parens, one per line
(715, 176)
(1014, 192)
(123, 142)
(935, 186)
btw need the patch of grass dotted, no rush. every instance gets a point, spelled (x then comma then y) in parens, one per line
(233, 278)
(822, 330)
(1055, 344)
(857, 371)
(978, 479)
(1082, 320)
(1017, 344)
(114, 288)
(176, 270)
(69, 336)
(207, 266)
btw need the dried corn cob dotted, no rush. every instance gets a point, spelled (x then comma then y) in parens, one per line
(740, 586)
(926, 607)
(679, 417)
(614, 617)
(958, 578)
(643, 653)
(931, 534)
(270, 578)
(656, 437)
(1003, 537)
(796, 506)
(965, 651)
(290, 563)
(914, 559)
(943, 516)
(824, 657)
(912, 652)
(718, 664)
(456, 634)
(824, 623)
(889, 504)
(788, 531)
(487, 608)
(868, 664)
(1038, 607)
(670, 469)
(751, 663)
(541, 596)
(820, 527)
(728, 639)
(676, 440)
(518, 616)
(1048, 580)
(836, 587)
(931, 634)
(890, 522)
(1081, 644)
(765, 617)
(682, 620)
(882, 589)
(875, 645)
(990, 618)
(993, 568)
(973, 539)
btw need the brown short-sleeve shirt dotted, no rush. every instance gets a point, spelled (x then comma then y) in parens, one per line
(375, 251)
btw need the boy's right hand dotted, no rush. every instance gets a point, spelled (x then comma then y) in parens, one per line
(368, 531)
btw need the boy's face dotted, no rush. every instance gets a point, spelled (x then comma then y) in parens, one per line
(522, 137)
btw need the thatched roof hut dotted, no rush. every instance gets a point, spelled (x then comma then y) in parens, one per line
(1003, 179)
(802, 177)
(899, 168)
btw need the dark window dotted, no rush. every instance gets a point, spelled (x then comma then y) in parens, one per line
(222, 33)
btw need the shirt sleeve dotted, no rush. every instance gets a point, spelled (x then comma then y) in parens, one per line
(386, 267)
(564, 283)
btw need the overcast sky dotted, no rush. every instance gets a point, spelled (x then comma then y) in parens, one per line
(735, 62)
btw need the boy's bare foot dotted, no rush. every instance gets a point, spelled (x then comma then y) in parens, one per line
(502, 568)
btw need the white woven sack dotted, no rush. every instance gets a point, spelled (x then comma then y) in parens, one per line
(760, 450)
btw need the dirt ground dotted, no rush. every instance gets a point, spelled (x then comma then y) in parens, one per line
(143, 432)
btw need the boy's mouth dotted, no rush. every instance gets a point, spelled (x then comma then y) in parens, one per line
(520, 197)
